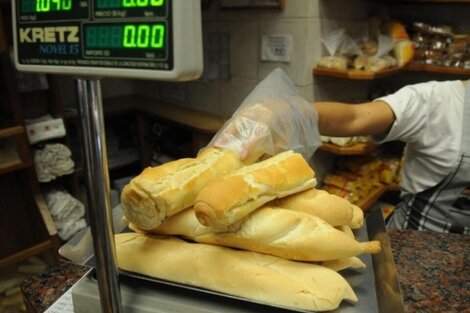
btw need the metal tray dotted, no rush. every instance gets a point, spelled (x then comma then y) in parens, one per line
(376, 286)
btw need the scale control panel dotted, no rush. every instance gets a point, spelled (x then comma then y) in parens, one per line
(150, 39)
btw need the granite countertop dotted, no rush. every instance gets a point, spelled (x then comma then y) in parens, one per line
(433, 271)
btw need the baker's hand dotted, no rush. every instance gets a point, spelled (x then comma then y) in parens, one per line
(272, 119)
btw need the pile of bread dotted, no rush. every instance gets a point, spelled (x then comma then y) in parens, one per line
(258, 231)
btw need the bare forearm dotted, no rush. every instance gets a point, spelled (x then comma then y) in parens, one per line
(345, 120)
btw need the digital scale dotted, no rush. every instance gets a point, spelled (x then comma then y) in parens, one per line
(144, 39)
(160, 40)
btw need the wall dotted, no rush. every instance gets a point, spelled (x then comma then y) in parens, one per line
(245, 29)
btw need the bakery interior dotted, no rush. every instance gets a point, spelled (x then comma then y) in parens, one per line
(45, 218)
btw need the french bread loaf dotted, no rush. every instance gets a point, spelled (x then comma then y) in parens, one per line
(253, 276)
(342, 264)
(335, 210)
(161, 191)
(284, 233)
(358, 217)
(235, 195)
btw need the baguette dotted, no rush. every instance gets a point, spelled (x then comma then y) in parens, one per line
(358, 217)
(162, 191)
(280, 232)
(262, 278)
(335, 210)
(342, 264)
(234, 196)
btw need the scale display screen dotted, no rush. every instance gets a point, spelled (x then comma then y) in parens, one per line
(107, 35)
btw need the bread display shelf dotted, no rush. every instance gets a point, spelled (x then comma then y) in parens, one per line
(412, 67)
(366, 202)
(355, 149)
(356, 74)
(429, 68)
(430, 1)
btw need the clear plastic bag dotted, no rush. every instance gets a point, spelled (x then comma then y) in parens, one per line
(273, 118)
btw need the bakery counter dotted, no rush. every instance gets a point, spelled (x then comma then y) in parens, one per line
(433, 271)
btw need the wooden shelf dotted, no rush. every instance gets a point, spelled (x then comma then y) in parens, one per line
(13, 150)
(429, 1)
(412, 67)
(356, 74)
(356, 149)
(418, 67)
(11, 131)
(372, 197)
(26, 253)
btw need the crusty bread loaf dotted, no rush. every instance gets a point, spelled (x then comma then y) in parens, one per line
(161, 191)
(342, 264)
(281, 232)
(335, 210)
(257, 277)
(234, 196)
(358, 217)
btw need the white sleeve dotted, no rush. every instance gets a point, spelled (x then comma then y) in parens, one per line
(409, 104)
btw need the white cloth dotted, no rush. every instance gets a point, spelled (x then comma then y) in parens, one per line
(428, 117)
(70, 228)
(52, 161)
(67, 213)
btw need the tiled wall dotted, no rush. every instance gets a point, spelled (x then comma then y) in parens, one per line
(245, 29)
(305, 20)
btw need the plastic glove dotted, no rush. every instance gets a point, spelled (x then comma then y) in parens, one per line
(273, 118)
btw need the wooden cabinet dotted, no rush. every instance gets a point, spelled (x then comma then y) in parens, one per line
(26, 227)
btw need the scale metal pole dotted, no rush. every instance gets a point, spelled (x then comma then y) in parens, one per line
(98, 191)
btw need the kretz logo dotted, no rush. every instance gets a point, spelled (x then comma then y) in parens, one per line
(60, 34)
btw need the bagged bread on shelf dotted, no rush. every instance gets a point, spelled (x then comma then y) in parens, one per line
(164, 190)
(231, 197)
(339, 46)
(403, 47)
(263, 278)
(380, 60)
(337, 62)
(281, 232)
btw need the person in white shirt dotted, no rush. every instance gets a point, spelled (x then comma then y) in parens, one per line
(432, 118)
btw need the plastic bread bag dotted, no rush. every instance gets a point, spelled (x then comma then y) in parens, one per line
(273, 118)
(335, 60)
(380, 60)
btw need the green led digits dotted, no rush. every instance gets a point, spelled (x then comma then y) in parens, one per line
(144, 36)
(141, 3)
(53, 5)
(115, 4)
(128, 36)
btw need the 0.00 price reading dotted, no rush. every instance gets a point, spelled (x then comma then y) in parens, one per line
(113, 4)
(141, 36)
